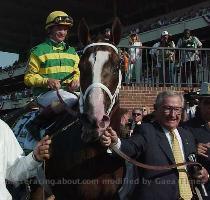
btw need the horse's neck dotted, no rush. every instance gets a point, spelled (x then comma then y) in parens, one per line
(115, 118)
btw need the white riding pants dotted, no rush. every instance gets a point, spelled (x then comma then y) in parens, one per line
(51, 97)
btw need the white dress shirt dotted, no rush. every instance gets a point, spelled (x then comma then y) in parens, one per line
(13, 165)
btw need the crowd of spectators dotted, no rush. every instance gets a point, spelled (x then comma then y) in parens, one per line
(166, 20)
(166, 61)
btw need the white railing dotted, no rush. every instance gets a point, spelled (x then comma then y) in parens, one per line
(166, 66)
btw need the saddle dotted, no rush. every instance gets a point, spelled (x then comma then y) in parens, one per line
(11, 118)
(49, 120)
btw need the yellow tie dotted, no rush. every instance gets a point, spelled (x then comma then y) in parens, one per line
(184, 185)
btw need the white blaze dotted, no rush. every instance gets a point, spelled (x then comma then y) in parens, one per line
(96, 94)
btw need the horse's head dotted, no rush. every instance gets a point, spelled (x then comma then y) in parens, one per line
(100, 80)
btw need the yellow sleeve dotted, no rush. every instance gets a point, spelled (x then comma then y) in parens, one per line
(76, 69)
(32, 76)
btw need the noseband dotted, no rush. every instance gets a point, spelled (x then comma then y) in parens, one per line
(100, 85)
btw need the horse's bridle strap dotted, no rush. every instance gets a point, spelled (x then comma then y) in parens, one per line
(100, 44)
(98, 85)
(150, 167)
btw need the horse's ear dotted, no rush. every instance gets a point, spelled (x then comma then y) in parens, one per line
(116, 31)
(83, 32)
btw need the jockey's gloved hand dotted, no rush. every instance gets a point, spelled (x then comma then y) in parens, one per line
(53, 84)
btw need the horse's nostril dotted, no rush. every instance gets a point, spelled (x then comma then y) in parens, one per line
(104, 123)
(106, 118)
(101, 124)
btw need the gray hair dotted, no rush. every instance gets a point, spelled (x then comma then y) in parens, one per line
(162, 95)
(137, 109)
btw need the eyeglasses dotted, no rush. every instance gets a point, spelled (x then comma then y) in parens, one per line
(63, 19)
(169, 109)
(136, 114)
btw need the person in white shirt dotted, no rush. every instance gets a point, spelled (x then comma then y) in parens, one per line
(14, 166)
(135, 66)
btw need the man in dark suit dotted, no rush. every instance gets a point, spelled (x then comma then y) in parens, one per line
(155, 144)
(137, 115)
(200, 128)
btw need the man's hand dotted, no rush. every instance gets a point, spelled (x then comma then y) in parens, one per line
(109, 137)
(41, 151)
(202, 175)
(203, 149)
(54, 84)
(73, 85)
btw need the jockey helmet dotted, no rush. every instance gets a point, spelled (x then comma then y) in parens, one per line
(58, 17)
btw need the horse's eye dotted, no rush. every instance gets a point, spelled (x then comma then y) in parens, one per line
(115, 69)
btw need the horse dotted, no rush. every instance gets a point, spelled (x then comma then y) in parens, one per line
(80, 167)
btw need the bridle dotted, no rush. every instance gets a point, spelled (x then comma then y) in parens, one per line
(100, 85)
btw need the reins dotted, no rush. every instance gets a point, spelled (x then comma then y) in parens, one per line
(150, 167)
(45, 185)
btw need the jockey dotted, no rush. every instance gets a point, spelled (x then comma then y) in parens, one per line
(49, 68)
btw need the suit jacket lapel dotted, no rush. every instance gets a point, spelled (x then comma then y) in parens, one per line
(164, 144)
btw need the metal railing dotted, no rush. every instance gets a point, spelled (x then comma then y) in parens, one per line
(165, 66)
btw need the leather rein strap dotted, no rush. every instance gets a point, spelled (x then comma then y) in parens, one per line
(150, 167)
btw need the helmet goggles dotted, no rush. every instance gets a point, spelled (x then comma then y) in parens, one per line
(63, 19)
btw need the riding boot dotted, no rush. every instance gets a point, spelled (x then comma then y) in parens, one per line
(41, 120)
